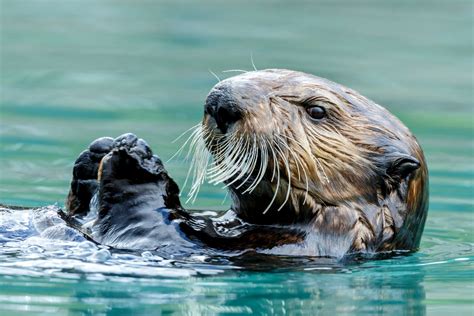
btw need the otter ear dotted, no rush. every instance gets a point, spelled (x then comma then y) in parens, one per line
(401, 165)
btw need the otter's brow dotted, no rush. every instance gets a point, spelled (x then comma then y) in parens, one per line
(316, 100)
(306, 101)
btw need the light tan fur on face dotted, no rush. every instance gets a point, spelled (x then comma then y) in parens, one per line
(306, 163)
(357, 174)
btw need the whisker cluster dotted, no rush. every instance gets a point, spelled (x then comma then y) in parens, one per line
(243, 161)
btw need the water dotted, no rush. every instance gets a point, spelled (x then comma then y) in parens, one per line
(73, 71)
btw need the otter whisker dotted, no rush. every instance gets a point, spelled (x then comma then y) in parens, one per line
(263, 161)
(197, 126)
(254, 158)
(251, 163)
(242, 164)
(197, 134)
(253, 64)
(196, 138)
(277, 167)
(274, 162)
(220, 155)
(235, 70)
(199, 177)
(226, 140)
(178, 152)
(288, 170)
(284, 144)
(247, 163)
(231, 168)
(225, 197)
(318, 167)
(199, 165)
(199, 161)
(264, 158)
(228, 150)
(263, 165)
(223, 144)
(221, 151)
(322, 169)
(229, 164)
(298, 163)
(212, 73)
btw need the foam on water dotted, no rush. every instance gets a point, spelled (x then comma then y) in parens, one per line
(36, 241)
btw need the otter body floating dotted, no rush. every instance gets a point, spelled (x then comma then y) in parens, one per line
(312, 167)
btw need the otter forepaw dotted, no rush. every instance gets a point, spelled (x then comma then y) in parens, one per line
(84, 183)
(122, 170)
(131, 175)
(130, 158)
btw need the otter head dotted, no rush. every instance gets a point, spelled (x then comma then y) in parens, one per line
(287, 143)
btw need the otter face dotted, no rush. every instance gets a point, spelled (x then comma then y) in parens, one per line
(286, 140)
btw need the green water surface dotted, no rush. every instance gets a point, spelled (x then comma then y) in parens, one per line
(72, 71)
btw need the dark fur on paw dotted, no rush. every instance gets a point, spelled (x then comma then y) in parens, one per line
(119, 169)
(84, 183)
(131, 158)
(130, 173)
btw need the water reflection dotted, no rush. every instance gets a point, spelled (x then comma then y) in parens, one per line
(361, 292)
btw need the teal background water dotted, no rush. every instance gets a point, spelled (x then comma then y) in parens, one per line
(72, 71)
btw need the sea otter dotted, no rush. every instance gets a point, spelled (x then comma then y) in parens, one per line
(312, 167)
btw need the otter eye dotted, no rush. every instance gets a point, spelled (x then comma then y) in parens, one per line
(316, 112)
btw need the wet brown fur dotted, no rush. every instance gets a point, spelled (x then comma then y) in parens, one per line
(357, 179)
(348, 157)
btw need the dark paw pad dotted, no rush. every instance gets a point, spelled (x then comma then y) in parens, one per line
(84, 183)
(102, 145)
(131, 175)
(132, 144)
(127, 140)
(118, 168)
(131, 158)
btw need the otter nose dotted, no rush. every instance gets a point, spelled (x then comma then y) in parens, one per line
(223, 109)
